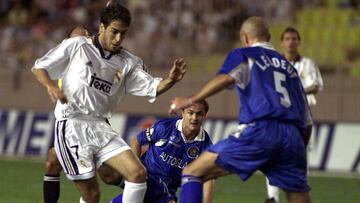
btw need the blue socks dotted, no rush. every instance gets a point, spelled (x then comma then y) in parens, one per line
(191, 189)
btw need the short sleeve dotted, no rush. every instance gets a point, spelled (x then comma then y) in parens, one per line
(238, 67)
(145, 136)
(311, 75)
(140, 83)
(233, 60)
(150, 135)
(55, 61)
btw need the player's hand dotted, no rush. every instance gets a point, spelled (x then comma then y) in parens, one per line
(178, 70)
(179, 103)
(56, 93)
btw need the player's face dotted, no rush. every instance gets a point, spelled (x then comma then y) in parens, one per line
(193, 117)
(111, 37)
(290, 42)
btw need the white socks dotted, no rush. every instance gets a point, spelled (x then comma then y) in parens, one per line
(134, 192)
(273, 191)
(81, 200)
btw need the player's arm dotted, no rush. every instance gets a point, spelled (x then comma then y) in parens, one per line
(214, 86)
(176, 73)
(312, 79)
(208, 188)
(53, 90)
(52, 67)
(312, 89)
(140, 142)
(135, 146)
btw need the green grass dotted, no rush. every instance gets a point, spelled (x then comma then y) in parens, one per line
(21, 182)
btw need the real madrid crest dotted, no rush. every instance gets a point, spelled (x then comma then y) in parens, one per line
(192, 152)
(117, 76)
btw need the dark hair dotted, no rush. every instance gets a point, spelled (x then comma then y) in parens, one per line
(115, 11)
(290, 30)
(204, 103)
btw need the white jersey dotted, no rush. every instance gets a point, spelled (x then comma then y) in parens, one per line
(310, 75)
(94, 85)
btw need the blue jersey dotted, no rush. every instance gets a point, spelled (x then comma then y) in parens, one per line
(169, 152)
(268, 86)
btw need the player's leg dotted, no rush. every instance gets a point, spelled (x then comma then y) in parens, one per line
(51, 182)
(298, 197)
(75, 152)
(200, 170)
(130, 167)
(89, 190)
(288, 168)
(110, 176)
(273, 193)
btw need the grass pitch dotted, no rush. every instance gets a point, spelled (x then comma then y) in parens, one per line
(21, 182)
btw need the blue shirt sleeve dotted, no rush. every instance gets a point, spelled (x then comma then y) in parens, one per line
(150, 135)
(233, 59)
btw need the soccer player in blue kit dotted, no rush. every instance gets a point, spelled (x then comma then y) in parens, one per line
(172, 144)
(274, 120)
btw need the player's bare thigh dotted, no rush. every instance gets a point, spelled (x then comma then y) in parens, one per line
(205, 167)
(129, 166)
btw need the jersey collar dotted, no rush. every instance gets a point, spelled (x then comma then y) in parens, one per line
(199, 137)
(101, 50)
(266, 45)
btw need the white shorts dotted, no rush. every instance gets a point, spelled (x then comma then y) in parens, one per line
(82, 145)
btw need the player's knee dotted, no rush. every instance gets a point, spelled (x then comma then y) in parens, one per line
(52, 166)
(138, 175)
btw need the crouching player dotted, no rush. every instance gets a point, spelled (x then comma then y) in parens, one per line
(173, 144)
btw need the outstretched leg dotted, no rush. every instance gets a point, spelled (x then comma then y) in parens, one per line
(200, 170)
(128, 165)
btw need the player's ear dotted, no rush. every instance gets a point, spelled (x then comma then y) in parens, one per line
(246, 39)
(101, 28)
(243, 39)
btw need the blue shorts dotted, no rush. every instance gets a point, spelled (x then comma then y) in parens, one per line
(273, 147)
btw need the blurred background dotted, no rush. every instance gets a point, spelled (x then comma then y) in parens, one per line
(202, 32)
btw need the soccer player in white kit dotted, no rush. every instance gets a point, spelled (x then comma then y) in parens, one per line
(97, 73)
(310, 77)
